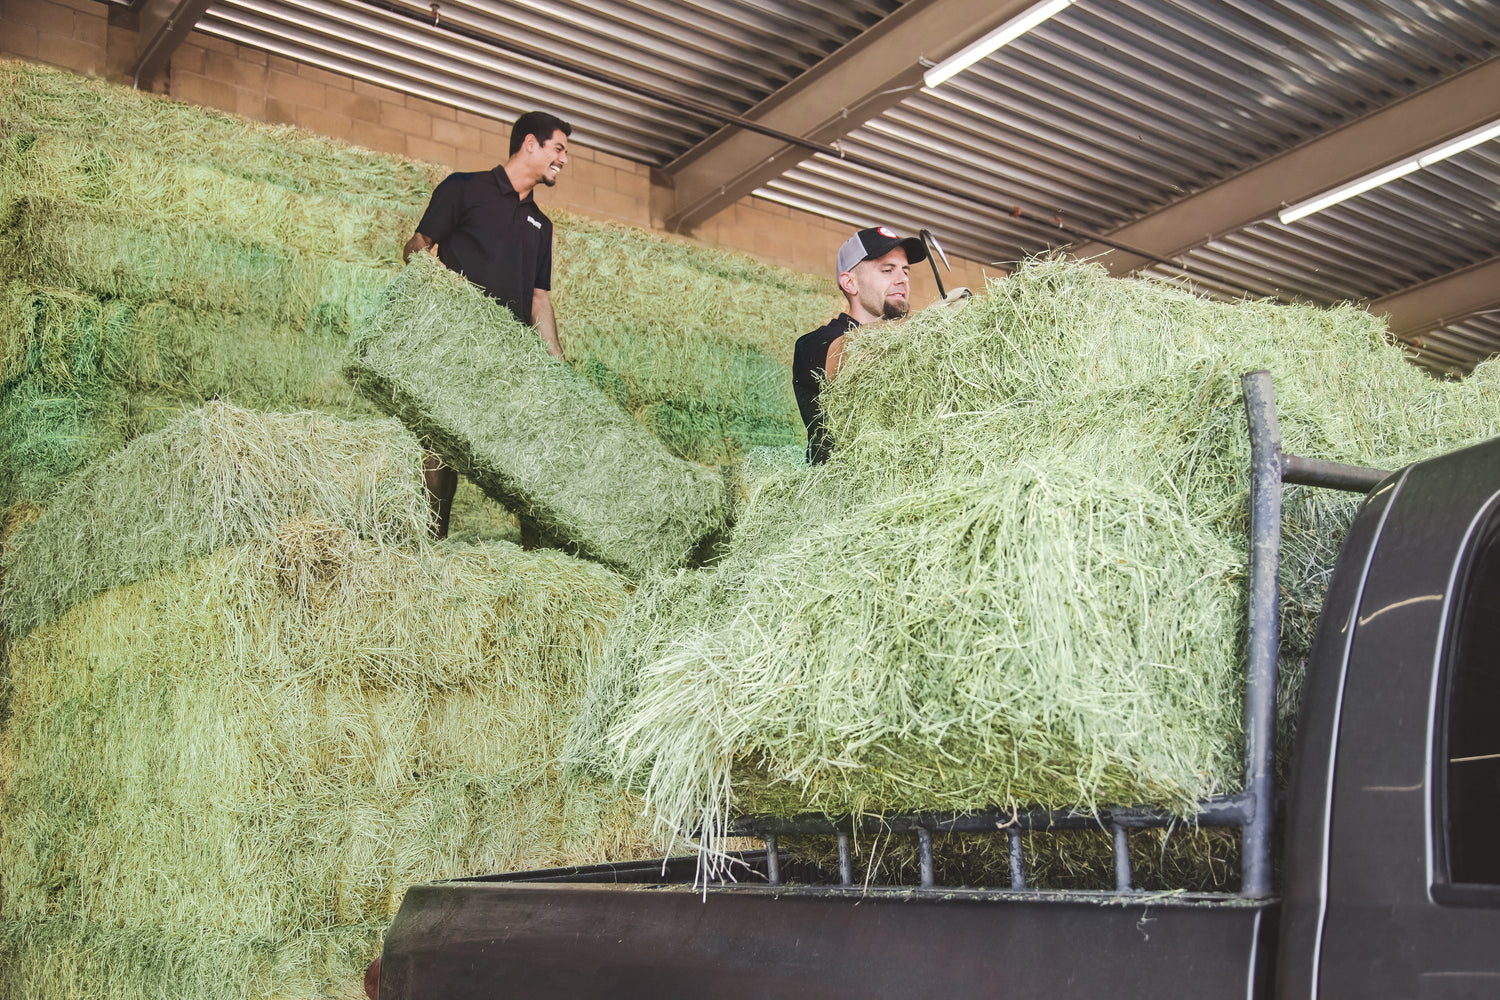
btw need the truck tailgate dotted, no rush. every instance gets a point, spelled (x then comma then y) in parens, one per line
(457, 940)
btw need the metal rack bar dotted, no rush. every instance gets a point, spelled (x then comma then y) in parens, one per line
(1122, 858)
(1261, 651)
(1017, 861)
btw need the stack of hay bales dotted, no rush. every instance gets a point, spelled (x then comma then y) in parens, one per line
(237, 265)
(247, 703)
(703, 357)
(248, 706)
(137, 283)
(1020, 580)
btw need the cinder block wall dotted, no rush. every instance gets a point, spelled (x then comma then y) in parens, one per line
(77, 35)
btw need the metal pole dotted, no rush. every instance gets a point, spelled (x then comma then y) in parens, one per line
(1017, 861)
(1261, 649)
(1122, 858)
(773, 860)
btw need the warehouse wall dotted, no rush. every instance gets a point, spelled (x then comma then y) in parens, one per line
(78, 35)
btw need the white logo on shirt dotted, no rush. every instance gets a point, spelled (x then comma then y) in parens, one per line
(533, 222)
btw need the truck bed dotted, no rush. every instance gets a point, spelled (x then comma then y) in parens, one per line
(556, 934)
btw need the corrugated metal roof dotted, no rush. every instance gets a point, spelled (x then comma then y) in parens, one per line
(1098, 118)
(729, 56)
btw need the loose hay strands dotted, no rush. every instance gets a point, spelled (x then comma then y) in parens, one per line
(216, 476)
(1019, 580)
(65, 244)
(458, 369)
(279, 738)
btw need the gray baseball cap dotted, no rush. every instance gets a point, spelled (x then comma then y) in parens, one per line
(867, 244)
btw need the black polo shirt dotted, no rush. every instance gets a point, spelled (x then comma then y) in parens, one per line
(497, 240)
(808, 360)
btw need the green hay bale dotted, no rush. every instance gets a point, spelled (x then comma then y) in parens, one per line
(84, 960)
(141, 183)
(1019, 581)
(281, 737)
(531, 432)
(65, 244)
(39, 100)
(219, 475)
(81, 376)
(697, 343)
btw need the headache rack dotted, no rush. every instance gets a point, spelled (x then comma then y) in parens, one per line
(1253, 811)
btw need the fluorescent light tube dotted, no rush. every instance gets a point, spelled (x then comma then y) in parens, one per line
(1007, 32)
(1442, 151)
(1469, 139)
(1294, 212)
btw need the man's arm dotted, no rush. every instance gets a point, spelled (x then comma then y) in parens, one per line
(835, 359)
(417, 243)
(545, 322)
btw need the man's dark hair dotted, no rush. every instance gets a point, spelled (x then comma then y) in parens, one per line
(537, 123)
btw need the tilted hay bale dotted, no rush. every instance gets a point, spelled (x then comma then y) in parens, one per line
(273, 742)
(67, 244)
(217, 476)
(458, 369)
(1019, 580)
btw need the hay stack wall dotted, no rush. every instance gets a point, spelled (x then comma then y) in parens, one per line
(297, 709)
(235, 733)
(1019, 581)
(138, 284)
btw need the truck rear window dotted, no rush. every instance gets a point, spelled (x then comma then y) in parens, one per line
(1472, 787)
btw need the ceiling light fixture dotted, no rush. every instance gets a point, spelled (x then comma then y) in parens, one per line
(1385, 175)
(1006, 33)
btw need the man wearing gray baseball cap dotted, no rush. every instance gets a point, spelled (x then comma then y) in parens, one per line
(873, 273)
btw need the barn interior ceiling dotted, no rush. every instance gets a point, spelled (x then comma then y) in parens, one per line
(1163, 138)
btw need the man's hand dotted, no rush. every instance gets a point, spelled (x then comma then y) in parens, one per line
(545, 323)
(416, 243)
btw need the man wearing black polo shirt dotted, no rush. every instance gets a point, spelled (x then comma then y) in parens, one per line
(487, 227)
(873, 273)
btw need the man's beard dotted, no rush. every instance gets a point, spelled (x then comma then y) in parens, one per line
(549, 180)
(893, 310)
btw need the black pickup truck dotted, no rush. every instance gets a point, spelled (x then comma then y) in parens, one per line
(1388, 837)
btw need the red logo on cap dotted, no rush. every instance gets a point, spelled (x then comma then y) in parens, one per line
(886, 232)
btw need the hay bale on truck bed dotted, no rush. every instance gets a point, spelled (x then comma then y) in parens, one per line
(1019, 581)
(217, 476)
(458, 369)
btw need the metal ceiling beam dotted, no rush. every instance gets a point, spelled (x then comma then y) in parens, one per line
(864, 77)
(163, 26)
(1441, 301)
(1393, 133)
